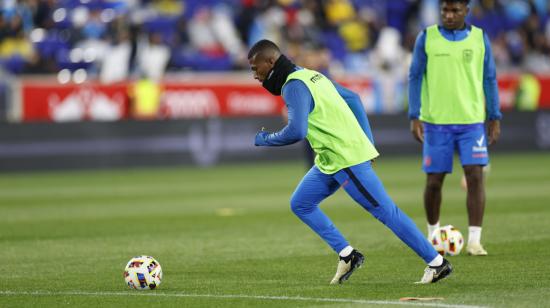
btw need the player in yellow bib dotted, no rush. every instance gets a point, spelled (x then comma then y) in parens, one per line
(452, 91)
(333, 121)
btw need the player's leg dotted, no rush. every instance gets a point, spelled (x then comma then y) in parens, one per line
(432, 199)
(314, 188)
(364, 186)
(486, 171)
(475, 200)
(437, 152)
(474, 156)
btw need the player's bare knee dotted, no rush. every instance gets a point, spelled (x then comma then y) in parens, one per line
(474, 179)
(473, 174)
(434, 182)
(434, 185)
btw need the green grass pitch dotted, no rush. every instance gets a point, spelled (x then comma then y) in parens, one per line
(225, 236)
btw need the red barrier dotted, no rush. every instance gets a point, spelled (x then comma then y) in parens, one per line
(507, 89)
(210, 100)
(48, 101)
(544, 99)
(197, 98)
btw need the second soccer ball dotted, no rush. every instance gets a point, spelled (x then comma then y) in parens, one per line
(447, 240)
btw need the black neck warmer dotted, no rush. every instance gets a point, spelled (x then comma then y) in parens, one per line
(276, 77)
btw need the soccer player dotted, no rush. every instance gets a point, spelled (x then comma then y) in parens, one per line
(335, 124)
(452, 90)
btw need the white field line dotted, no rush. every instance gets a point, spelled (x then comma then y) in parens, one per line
(234, 296)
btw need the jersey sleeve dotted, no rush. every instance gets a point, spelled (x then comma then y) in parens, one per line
(490, 86)
(416, 74)
(299, 103)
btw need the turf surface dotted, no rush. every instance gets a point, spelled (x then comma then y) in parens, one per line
(225, 237)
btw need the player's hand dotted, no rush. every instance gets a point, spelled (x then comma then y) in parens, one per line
(417, 129)
(494, 131)
(260, 138)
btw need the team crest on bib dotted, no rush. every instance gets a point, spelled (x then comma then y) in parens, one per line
(468, 55)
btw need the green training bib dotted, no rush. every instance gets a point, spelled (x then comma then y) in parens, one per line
(333, 131)
(452, 87)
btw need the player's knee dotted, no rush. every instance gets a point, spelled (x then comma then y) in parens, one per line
(474, 178)
(299, 206)
(385, 214)
(474, 174)
(434, 185)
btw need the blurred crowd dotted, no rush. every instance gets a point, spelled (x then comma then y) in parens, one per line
(113, 40)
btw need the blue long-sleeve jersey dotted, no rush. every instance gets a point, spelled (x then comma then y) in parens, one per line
(300, 103)
(419, 64)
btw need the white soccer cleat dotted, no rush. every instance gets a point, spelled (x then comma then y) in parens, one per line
(435, 273)
(346, 266)
(476, 250)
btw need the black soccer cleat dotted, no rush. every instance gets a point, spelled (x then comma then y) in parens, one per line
(435, 273)
(347, 265)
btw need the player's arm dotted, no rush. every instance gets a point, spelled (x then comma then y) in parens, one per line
(490, 89)
(299, 103)
(354, 102)
(416, 74)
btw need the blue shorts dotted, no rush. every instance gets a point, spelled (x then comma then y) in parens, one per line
(439, 148)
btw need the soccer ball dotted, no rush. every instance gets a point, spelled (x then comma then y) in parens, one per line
(143, 273)
(447, 240)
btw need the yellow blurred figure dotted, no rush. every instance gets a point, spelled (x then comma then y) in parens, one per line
(338, 11)
(169, 7)
(16, 46)
(145, 99)
(355, 34)
(528, 95)
(286, 2)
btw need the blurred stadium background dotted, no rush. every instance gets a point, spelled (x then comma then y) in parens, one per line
(101, 83)
(98, 84)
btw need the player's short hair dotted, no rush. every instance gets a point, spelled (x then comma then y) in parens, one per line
(262, 46)
(467, 2)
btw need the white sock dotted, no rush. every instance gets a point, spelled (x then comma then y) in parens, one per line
(431, 228)
(474, 235)
(437, 261)
(345, 252)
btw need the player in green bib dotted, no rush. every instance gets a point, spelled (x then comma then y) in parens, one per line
(333, 121)
(452, 91)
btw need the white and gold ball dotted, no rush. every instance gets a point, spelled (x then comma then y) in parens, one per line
(447, 240)
(143, 273)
